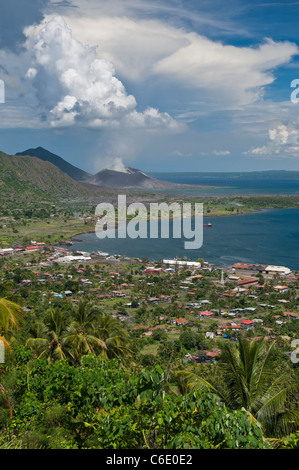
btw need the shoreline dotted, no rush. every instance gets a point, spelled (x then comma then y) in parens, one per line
(221, 261)
(73, 239)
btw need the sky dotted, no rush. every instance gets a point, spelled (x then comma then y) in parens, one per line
(163, 86)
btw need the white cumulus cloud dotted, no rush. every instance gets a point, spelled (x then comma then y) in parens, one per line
(74, 86)
(283, 142)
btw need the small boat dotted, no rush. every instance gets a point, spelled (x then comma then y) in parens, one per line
(207, 225)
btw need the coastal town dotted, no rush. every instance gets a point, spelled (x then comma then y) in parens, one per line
(149, 223)
(158, 301)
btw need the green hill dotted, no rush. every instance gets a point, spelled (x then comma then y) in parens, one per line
(32, 177)
(71, 170)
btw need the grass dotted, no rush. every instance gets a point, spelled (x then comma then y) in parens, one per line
(49, 231)
(173, 336)
(150, 349)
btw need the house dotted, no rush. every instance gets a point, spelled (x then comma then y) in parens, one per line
(247, 323)
(181, 321)
(290, 315)
(247, 281)
(230, 327)
(237, 310)
(214, 353)
(152, 270)
(204, 355)
(206, 313)
(281, 288)
(153, 328)
(209, 334)
(154, 300)
(117, 293)
(164, 298)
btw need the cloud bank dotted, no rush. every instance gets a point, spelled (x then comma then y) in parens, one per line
(222, 76)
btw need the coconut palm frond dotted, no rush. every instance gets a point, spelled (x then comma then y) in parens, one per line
(11, 315)
(190, 382)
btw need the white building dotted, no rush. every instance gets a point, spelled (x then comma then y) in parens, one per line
(6, 251)
(282, 270)
(191, 264)
(70, 258)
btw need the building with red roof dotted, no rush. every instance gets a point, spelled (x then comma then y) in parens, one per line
(290, 315)
(247, 323)
(181, 321)
(206, 313)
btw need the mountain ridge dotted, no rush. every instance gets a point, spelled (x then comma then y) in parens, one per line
(35, 178)
(131, 178)
(39, 152)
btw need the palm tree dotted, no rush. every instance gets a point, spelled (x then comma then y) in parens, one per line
(249, 382)
(49, 336)
(81, 335)
(11, 315)
(110, 330)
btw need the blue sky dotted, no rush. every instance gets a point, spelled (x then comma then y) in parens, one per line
(157, 85)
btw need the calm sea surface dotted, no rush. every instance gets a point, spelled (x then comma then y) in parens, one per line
(270, 237)
(230, 185)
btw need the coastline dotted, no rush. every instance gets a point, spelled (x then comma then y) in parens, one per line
(73, 238)
(233, 240)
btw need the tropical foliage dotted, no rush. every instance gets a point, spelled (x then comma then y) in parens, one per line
(103, 405)
(249, 382)
(76, 380)
(11, 315)
(84, 331)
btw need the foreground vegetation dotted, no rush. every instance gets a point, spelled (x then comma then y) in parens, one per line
(76, 376)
